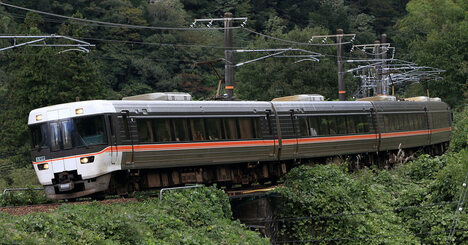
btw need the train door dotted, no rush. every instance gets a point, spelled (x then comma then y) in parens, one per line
(126, 136)
(274, 131)
(271, 132)
(428, 122)
(295, 132)
(112, 140)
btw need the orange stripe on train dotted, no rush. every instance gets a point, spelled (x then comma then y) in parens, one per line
(207, 145)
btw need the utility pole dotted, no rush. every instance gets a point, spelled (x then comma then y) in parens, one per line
(228, 56)
(340, 36)
(378, 75)
(383, 81)
(339, 54)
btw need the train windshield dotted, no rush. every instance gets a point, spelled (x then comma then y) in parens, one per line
(69, 133)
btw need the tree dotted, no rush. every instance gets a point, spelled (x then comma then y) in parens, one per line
(41, 77)
(434, 34)
(276, 77)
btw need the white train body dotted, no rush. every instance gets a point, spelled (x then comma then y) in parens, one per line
(83, 148)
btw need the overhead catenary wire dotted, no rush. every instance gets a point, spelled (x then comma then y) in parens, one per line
(293, 42)
(111, 24)
(111, 58)
(142, 42)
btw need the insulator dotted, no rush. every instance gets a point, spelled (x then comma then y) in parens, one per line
(244, 23)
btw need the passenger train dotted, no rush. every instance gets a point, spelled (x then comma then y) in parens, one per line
(93, 148)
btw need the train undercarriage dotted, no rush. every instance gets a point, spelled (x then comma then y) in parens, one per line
(241, 175)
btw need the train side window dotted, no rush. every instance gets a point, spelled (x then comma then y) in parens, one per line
(145, 131)
(422, 121)
(314, 126)
(351, 124)
(395, 122)
(434, 120)
(341, 125)
(362, 124)
(438, 120)
(387, 123)
(407, 121)
(412, 121)
(442, 119)
(418, 122)
(257, 129)
(230, 127)
(181, 129)
(324, 126)
(403, 119)
(332, 125)
(162, 128)
(246, 128)
(198, 129)
(213, 128)
(303, 126)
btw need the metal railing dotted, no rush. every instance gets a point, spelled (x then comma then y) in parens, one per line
(22, 189)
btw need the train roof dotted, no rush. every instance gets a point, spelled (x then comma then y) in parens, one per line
(94, 107)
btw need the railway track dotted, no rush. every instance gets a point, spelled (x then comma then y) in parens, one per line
(50, 207)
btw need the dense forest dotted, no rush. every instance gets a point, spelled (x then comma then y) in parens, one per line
(127, 61)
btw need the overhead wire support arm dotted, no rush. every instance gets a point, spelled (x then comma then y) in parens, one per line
(279, 54)
(78, 46)
(257, 59)
(22, 44)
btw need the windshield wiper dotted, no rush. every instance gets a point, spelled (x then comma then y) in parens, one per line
(82, 140)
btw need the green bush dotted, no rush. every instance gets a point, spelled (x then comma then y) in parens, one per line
(412, 204)
(438, 197)
(331, 197)
(18, 177)
(459, 138)
(197, 216)
(27, 197)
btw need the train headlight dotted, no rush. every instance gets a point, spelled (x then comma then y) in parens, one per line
(43, 166)
(79, 111)
(85, 160)
(39, 117)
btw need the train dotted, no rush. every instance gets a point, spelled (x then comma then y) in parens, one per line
(101, 147)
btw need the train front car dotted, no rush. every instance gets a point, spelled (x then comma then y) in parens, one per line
(71, 148)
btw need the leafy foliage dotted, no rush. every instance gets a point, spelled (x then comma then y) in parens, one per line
(130, 61)
(459, 138)
(434, 34)
(200, 216)
(411, 204)
(329, 195)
